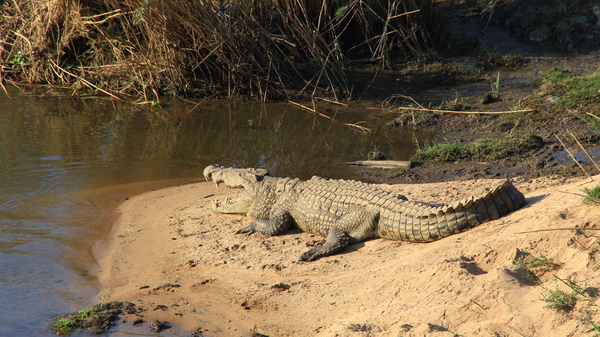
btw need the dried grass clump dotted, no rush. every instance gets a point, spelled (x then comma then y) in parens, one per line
(149, 47)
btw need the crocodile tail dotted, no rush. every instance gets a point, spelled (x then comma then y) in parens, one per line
(467, 213)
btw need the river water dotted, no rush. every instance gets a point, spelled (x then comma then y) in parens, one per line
(67, 162)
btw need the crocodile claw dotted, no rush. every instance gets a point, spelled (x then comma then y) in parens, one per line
(246, 230)
(312, 254)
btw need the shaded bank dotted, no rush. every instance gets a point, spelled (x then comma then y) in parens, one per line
(252, 48)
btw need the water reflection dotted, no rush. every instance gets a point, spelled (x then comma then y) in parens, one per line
(65, 163)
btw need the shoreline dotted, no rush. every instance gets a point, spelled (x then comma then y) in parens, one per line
(171, 255)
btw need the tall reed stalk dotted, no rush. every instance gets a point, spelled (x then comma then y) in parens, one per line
(264, 49)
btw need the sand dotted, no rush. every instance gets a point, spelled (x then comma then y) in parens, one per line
(171, 254)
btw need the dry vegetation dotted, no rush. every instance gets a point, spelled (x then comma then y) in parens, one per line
(200, 47)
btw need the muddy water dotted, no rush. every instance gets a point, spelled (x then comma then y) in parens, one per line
(65, 164)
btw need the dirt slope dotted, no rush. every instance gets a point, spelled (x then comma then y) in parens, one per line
(171, 255)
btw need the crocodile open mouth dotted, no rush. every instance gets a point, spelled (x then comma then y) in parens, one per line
(216, 203)
(238, 204)
(245, 180)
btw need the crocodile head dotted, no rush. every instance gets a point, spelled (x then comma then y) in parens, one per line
(247, 180)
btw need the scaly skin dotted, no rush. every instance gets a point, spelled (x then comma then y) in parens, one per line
(347, 211)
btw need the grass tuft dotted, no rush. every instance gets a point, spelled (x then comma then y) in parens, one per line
(559, 94)
(65, 326)
(559, 300)
(492, 58)
(74, 322)
(483, 149)
(593, 195)
(532, 262)
(562, 300)
(357, 327)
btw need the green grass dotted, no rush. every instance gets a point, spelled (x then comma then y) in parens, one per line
(177, 225)
(559, 300)
(565, 300)
(65, 325)
(552, 77)
(494, 59)
(593, 195)
(531, 267)
(565, 92)
(442, 152)
(90, 312)
(531, 262)
(73, 322)
(595, 327)
(483, 149)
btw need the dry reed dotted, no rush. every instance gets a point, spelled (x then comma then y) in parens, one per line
(263, 49)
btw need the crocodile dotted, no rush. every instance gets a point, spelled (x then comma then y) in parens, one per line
(347, 211)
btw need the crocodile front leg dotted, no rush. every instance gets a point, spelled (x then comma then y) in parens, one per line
(278, 223)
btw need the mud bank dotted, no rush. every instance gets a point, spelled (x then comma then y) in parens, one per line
(182, 263)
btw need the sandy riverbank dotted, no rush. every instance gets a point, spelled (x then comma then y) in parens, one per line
(170, 254)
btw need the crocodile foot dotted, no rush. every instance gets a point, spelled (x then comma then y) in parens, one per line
(246, 230)
(336, 242)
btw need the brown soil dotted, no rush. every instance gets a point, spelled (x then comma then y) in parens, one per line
(170, 254)
(515, 85)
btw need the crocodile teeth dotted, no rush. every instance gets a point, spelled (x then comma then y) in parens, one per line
(216, 183)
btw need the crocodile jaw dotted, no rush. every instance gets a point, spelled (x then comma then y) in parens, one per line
(246, 180)
(241, 205)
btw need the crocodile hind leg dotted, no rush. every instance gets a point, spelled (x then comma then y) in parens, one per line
(351, 228)
(336, 241)
(277, 224)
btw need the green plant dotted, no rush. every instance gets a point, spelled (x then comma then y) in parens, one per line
(530, 267)
(552, 76)
(341, 11)
(559, 300)
(577, 288)
(496, 85)
(441, 152)
(177, 225)
(65, 325)
(558, 93)
(482, 149)
(532, 262)
(138, 13)
(592, 195)
(18, 60)
(595, 327)
(74, 322)
(396, 173)
(356, 327)
(492, 58)
(90, 312)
